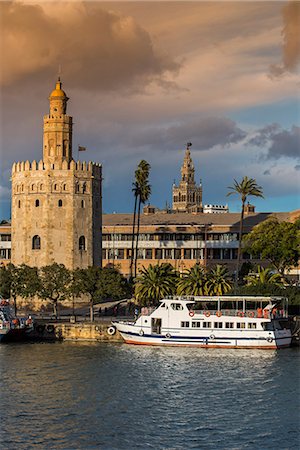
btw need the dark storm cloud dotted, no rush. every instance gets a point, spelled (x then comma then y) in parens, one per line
(279, 142)
(264, 135)
(204, 133)
(285, 143)
(97, 49)
(291, 40)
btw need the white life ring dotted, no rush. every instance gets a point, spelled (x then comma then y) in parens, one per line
(168, 335)
(212, 336)
(191, 313)
(141, 333)
(111, 330)
(270, 339)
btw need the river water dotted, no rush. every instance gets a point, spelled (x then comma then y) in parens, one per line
(116, 396)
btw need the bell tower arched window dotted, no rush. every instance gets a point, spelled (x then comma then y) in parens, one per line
(37, 203)
(60, 203)
(36, 242)
(82, 243)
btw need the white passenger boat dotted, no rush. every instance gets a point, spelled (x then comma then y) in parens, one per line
(229, 322)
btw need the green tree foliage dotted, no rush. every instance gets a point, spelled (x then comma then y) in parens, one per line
(112, 285)
(246, 188)
(218, 281)
(155, 283)
(85, 281)
(193, 281)
(264, 276)
(5, 281)
(55, 282)
(20, 281)
(246, 267)
(277, 242)
(12, 285)
(100, 284)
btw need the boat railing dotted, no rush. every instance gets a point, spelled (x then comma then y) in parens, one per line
(250, 313)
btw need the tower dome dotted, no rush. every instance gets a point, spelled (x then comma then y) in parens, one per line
(58, 92)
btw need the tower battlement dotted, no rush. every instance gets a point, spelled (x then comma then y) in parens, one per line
(73, 166)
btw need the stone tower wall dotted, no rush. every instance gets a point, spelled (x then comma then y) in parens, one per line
(58, 202)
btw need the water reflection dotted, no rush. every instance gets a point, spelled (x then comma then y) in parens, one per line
(91, 396)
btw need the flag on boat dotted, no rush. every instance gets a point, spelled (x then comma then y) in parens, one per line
(81, 149)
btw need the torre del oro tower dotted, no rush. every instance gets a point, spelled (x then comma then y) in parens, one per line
(56, 202)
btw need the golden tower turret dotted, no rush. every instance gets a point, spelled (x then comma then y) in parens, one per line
(57, 137)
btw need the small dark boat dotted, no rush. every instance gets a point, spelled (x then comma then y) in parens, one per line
(13, 329)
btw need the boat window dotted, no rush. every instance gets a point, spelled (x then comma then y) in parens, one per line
(196, 324)
(218, 325)
(229, 325)
(241, 325)
(185, 324)
(177, 306)
(252, 325)
(267, 326)
(206, 324)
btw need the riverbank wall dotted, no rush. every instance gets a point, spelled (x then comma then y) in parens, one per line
(79, 331)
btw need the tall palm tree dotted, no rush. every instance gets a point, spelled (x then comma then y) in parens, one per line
(264, 276)
(246, 188)
(135, 190)
(193, 281)
(155, 283)
(217, 282)
(142, 178)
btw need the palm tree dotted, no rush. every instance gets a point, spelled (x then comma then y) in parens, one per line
(155, 283)
(264, 276)
(246, 188)
(142, 178)
(193, 281)
(217, 282)
(135, 190)
(141, 190)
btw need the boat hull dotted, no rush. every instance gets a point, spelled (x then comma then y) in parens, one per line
(13, 335)
(132, 336)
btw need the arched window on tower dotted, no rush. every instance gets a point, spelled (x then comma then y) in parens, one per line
(36, 242)
(82, 243)
(37, 203)
(60, 203)
(82, 203)
(19, 204)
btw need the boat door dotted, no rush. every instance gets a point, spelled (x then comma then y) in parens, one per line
(155, 326)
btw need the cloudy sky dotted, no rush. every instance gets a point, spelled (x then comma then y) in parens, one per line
(144, 78)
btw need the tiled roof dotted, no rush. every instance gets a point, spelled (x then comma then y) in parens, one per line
(185, 219)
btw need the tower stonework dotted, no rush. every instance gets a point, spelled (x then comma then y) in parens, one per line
(57, 202)
(187, 197)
